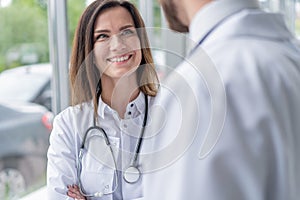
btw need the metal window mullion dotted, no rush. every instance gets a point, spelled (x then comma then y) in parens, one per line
(146, 9)
(59, 53)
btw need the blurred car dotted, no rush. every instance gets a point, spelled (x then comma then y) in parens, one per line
(29, 83)
(26, 53)
(24, 140)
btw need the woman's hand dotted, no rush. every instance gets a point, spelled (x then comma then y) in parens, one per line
(74, 192)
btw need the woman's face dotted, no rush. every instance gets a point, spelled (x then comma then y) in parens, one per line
(117, 46)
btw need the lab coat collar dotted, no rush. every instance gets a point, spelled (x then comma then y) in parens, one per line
(213, 13)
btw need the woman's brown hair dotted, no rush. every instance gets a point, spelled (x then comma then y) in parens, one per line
(84, 74)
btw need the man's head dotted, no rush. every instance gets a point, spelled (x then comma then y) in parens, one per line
(179, 13)
(173, 14)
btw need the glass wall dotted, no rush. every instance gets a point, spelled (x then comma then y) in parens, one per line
(297, 18)
(25, 96)
(289, 8)
(27, 92)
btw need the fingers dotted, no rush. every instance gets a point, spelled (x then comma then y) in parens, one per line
(74, 192)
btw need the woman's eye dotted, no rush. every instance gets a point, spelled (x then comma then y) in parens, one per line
(127, 32)
(101, 37)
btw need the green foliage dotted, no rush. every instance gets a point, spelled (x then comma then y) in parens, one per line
(30, 3)
(297, 27)
(135, 2)
(24, 27)
(24, 22)
(157, 14)
(75, 9)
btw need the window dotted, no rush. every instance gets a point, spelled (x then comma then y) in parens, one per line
(25, 123)
(297, 18)
(289, 8)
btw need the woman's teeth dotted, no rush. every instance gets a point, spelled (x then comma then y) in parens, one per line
(119, 59)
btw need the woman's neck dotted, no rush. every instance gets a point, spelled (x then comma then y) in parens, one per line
(117, 93)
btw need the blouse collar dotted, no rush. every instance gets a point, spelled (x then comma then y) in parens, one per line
(136, 106)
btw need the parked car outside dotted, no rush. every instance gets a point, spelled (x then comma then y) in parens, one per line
(24, 140)
(29, 83)
(26, 53)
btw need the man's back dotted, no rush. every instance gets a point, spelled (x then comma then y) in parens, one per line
(254, 156)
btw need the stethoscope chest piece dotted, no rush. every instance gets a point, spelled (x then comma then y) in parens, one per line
(132, 174)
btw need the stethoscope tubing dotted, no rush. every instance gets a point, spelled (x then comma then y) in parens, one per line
(140, 141)
(133, 163)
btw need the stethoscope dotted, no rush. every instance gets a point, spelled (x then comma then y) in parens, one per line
(131, 174)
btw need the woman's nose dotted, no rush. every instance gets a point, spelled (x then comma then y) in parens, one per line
(116, 43)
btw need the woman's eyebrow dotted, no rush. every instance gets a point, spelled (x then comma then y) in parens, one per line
(108, 31)
(126, 26)
(102, 31)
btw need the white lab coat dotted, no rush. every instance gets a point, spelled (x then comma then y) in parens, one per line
(238, 140)
(97, 174)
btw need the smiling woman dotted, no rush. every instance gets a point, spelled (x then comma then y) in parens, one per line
(113, 83)
(117, 45)
(94, 41)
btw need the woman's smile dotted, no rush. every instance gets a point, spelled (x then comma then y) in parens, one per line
(122, 59)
